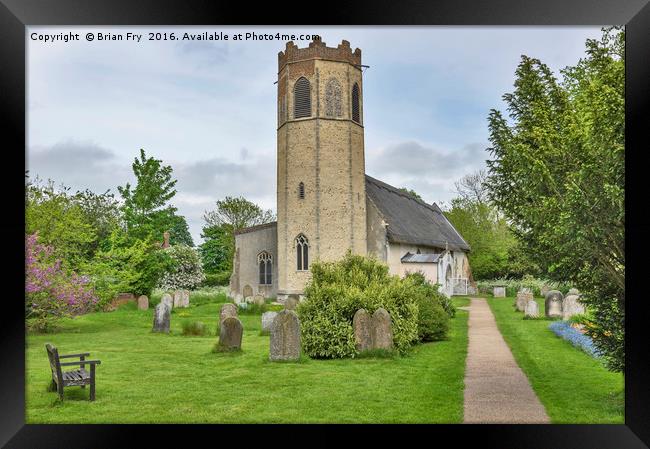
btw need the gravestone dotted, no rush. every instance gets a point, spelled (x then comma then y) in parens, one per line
(161, 318)
(181, 298)
(167, 299)
(143, 303)
(571, 305)
(259, 300)
(291, 302)
(531, 310)
(523, 296)
(230, 334)
(553, 304)
(227, 310)
(499, 292)
(573, 291)
(362, 324)
(247, 291)
(285, 337)
(544, 290)
(267, 320)
(382, 332)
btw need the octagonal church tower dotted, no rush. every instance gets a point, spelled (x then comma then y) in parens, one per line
(321, 197)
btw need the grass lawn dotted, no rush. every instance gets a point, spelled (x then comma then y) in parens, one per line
(154, 378)
(573, 386)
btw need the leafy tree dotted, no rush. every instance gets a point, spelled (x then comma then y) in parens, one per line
(179, 232)
(230, 215)
(558, 174)
(185, 270)
(60, 222)
(146, 209)
(101, 211)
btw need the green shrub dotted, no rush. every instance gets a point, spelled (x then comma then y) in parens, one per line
(185, 270)
(221, 278)
(433, 321)
(432, 291)
(338, 289)
(194, 328)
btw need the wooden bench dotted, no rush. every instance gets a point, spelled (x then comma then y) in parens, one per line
(79, 377)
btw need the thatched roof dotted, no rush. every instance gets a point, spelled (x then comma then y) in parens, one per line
(413, 221)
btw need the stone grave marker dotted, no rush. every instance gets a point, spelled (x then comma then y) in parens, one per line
(227, 310)
(553, 304)
(167, 299)
(531, 310)
(362, 324)
(382, 332)
(499, 292)
(291, 302)
(230, 334)
(285, 337)
(571, 305)
(267, 320)
(143, 303)
(544, 290)
(259, 300)
(161, 318)
(523, 296)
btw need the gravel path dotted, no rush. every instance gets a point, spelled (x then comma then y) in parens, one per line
(496, 389)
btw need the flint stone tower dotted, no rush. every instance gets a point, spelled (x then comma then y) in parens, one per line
(321, 198)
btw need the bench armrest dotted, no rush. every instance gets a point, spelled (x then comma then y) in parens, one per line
(65, 356)
(81, 362)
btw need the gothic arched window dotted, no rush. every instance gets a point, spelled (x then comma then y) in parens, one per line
(265, 263)
(355, 103)
(333, 98)
(302, 253)
(302, 98)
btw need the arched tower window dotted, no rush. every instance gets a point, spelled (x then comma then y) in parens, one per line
(301, 191)
(302, 98)
(265, 264)
(302, 253)
(355, 103)
(333, 98)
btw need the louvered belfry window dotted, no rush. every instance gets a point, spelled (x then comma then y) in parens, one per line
(302, 99)
(301, 191)
(355, 103)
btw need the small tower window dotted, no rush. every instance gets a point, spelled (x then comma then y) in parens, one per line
(355, 103)
(302, 99)
(302, 253)
(265, 264)
(301, 191)
(333, 98)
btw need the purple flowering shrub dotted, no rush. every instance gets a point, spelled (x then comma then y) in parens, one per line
(563, 329)
(51, 292)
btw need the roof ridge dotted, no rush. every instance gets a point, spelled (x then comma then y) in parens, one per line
(434, 207)
(255, 227)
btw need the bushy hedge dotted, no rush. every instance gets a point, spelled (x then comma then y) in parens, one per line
(434, 309)
(338, 289)
(185, 270)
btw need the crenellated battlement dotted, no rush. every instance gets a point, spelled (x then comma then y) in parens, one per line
(318, 50)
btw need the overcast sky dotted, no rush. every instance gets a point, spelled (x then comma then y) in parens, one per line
(208, 109)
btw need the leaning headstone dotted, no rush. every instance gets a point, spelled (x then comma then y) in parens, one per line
(291, 303)
(362, 324)
(230, 334)
(499, 292)
(571, 305)
(531, 310)
(227, 310)
(185, 298)
(544, 290)
(167, 299)
(161, 318)
(553, 304)
(143, 303)
(382, 332)
(267, 320)
(523, 296)
(285, 337)
(573, 291)
(259, 300)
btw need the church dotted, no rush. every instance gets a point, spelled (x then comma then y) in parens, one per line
(326, 203)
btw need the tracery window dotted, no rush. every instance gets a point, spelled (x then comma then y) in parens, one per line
(302, 253)
(333, 98)
(265, 264)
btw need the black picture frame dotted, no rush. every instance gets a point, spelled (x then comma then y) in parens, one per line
(15, 15)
